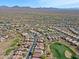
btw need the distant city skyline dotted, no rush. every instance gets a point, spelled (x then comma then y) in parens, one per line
(41, 3)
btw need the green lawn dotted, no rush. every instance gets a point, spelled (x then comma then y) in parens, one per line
(12, 46)
(59, 49)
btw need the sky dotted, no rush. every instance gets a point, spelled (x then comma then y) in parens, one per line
(42, 3)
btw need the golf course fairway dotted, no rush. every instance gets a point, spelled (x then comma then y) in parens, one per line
(61, 51)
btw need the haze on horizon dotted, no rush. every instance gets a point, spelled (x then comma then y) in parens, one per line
(42, 3)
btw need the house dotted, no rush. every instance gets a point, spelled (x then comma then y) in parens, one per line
(2, 39)
(36, 58)
(36, 55)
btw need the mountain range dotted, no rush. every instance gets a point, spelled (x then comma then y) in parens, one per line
(44, 9)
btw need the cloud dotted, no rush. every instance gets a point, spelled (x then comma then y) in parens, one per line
(57, 3)
(73, 5)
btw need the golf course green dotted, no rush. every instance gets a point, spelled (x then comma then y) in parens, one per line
(61, 51)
